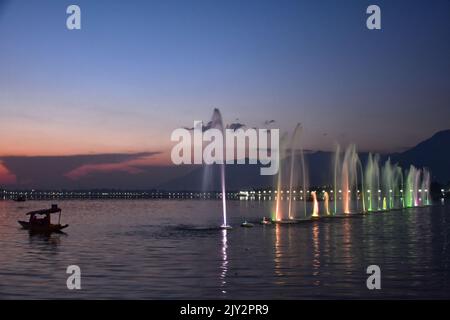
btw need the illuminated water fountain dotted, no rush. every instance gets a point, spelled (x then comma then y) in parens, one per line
(417, 186)
(357, 189)
(326, 201)
(391, 185)
(315, 213)
(346, 173)
(217, 123)
(372, 183)
(426, 180)
(294, 176)
(377, 187)
(294, 138)
(277, 215)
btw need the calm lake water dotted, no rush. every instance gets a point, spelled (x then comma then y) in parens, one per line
(168, 249)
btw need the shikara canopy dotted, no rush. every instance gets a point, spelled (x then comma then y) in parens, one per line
(53, 209)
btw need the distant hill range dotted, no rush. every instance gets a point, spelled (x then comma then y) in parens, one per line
(433, 153)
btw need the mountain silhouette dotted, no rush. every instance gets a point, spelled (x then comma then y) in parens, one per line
(433, 153)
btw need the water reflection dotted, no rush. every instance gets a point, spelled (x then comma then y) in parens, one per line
(347, 242)
(278, 255)
(316, 253)
(145, 257)
(224, 265)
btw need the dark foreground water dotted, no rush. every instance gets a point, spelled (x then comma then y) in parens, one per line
(162, 249)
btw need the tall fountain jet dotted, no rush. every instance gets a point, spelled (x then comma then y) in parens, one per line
(315, 213)
(305, 179)
(326, 199)
(391, 184)
(293, 149)
(426, 178)
(290, 173)
(372, 182)
(278, 216)
(387, 178)
(410, 191)
(217, 123)
(417, 186)
(346, 174)
(337, 172)
(349, 176)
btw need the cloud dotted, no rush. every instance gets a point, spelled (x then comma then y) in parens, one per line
(6, 177)
(87, 169)
(129, 165)
(60, 171)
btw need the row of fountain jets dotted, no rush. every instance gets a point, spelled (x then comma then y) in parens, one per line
(377, 187)
(356, 189)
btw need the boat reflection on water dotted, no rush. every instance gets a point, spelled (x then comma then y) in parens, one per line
(45, 240)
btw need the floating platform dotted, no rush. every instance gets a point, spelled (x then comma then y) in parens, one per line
(246, 224)
(267, 221)
(284, 221)
(301, 220)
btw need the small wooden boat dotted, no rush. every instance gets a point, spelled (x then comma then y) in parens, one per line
(44, 224)
(49, 228)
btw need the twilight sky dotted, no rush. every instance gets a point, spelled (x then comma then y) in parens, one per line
(139, 69)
